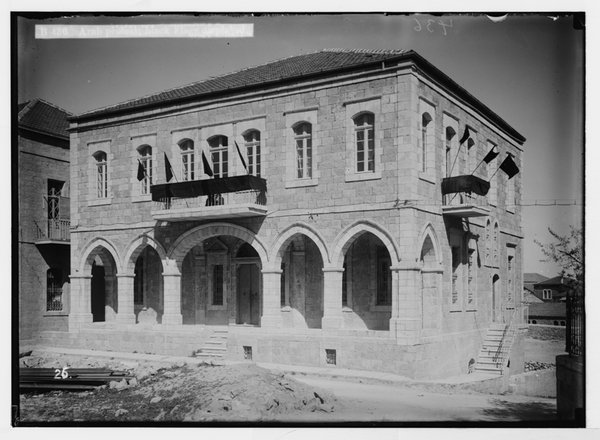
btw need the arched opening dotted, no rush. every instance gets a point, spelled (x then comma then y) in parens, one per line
(221, 283)
(496, 299)
(430, 294)
(148, 291)
(366, 283)
(301, 282)
(104, 292)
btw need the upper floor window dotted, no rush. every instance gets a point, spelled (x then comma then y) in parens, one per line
(252, 141)
(55, 188)
(546, 294)
(145, 158)
(511, 275)
(101, 174)
(188, 159)
(219, 155)
(54, 290)
(511, 199)
(488, 243)
(303, 141)
(364, 131)
(425, 127)
(495, 244)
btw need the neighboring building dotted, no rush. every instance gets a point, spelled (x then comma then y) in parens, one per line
(322, 238)
(43, 193)
(531, 279)
(548, 313)
(552, 289)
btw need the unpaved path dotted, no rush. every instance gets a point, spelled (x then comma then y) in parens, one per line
(377, 402)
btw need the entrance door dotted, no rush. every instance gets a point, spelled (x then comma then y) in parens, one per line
(496, 299)
(248, 296)
(98, 293)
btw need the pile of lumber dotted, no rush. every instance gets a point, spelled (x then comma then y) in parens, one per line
(68, 378)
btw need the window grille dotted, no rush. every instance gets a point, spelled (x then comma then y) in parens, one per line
(54, 290)
(247, 352)
(303, 139)
(330, 356)
(219, 155)
(365, 142)
(252, 140)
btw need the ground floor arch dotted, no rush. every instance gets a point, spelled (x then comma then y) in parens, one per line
(103, 286)
(148, 286)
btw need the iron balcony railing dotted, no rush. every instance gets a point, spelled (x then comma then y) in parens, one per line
(249, 197)
(55, 230)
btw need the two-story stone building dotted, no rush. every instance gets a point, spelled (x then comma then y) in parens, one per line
(43, 212)
(304, 221)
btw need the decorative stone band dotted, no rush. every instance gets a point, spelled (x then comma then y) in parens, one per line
(402, 266)
(126, 275)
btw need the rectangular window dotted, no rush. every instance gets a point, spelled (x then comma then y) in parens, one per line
(455, 267)
(217, 287)
(102, 180)
(471, 277)
(384, 278)
(54, 290)
(510, 281)
(187, 163)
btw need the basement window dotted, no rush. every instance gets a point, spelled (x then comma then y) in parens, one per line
(330, 357)
(247, 352)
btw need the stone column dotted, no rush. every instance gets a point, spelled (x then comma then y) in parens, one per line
(80, 308)
(332, 297)
(172, 293)
(271, 297)
(125, 314)
(407, 320)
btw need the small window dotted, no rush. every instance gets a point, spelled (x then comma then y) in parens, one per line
(471, 277)
(330, 356)
(450, 135)
(364, 134)
(247, 352)
(555, 322)
(101, 174)
(303, 142)
(563, 323)
(547, 294)
(54, 290)
(219, 155)
(384, 278)
(145, 158)
(425, 126)
(344, 285)
(217, 299)
(455, 267)
(188, 159)
(252, 140)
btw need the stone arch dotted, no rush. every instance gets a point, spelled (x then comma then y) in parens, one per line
(191, 238)
(88, 255)
(429, 232)
(136, 247)
(347, 237)
(287, 235)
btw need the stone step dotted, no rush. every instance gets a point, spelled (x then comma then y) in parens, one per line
(207, 355)
(213, 348)
(215, 342)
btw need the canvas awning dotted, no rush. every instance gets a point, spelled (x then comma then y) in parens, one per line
(468, 184)
(195, 188)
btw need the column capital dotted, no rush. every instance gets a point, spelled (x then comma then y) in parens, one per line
(126, 275)
(80, 277)
(269, 270)
(414, 266)
(333, 269)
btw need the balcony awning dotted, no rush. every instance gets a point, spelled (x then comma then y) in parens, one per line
(195, 188)
(469, 184)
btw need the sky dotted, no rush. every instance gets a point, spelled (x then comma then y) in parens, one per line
(526, 68)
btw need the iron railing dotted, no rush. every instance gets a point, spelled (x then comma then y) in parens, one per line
(255, 197)
(463, 198)
(56, 229)
(508, 336)
(54, 301)
(575, 331)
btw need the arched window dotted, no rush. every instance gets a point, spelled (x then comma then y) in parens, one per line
(364, 135)
(425, 123)
(303, 140)
(488, 244)
(186, 148)
(219, 155)
(495, 244)
(54, 290)
(145, 158)
(252, 140)
(450, 134)
(101, 174)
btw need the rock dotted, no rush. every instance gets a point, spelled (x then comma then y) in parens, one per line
(120, 412)
(170, 374)
(321, 400)
(25, 354)
(147, 316)
(118, 385)
(155, 399)
(132, 382)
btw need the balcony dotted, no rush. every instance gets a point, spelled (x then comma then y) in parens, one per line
(221, 198)
(54, 231)
(464, 196)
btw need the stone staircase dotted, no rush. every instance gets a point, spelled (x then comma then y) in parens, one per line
(495, 350)
(215, 347)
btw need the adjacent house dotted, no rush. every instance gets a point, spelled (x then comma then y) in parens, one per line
(343, 208)
(43, 229)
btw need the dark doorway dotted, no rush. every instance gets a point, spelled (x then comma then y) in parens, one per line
(98, 293)
(248, 295)
(495, 299)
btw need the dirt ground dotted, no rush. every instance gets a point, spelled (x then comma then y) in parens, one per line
(174, 393)
(246, 392)
(542, 345)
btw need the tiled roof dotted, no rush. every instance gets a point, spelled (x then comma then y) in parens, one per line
(555, 309)
(41, 116)
(532, 277)
(556, 281)
(298, 66)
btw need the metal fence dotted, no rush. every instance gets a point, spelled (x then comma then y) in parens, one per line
(575, 331)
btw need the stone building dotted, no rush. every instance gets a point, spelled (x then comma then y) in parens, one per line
(43, 213)
(304, 222)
